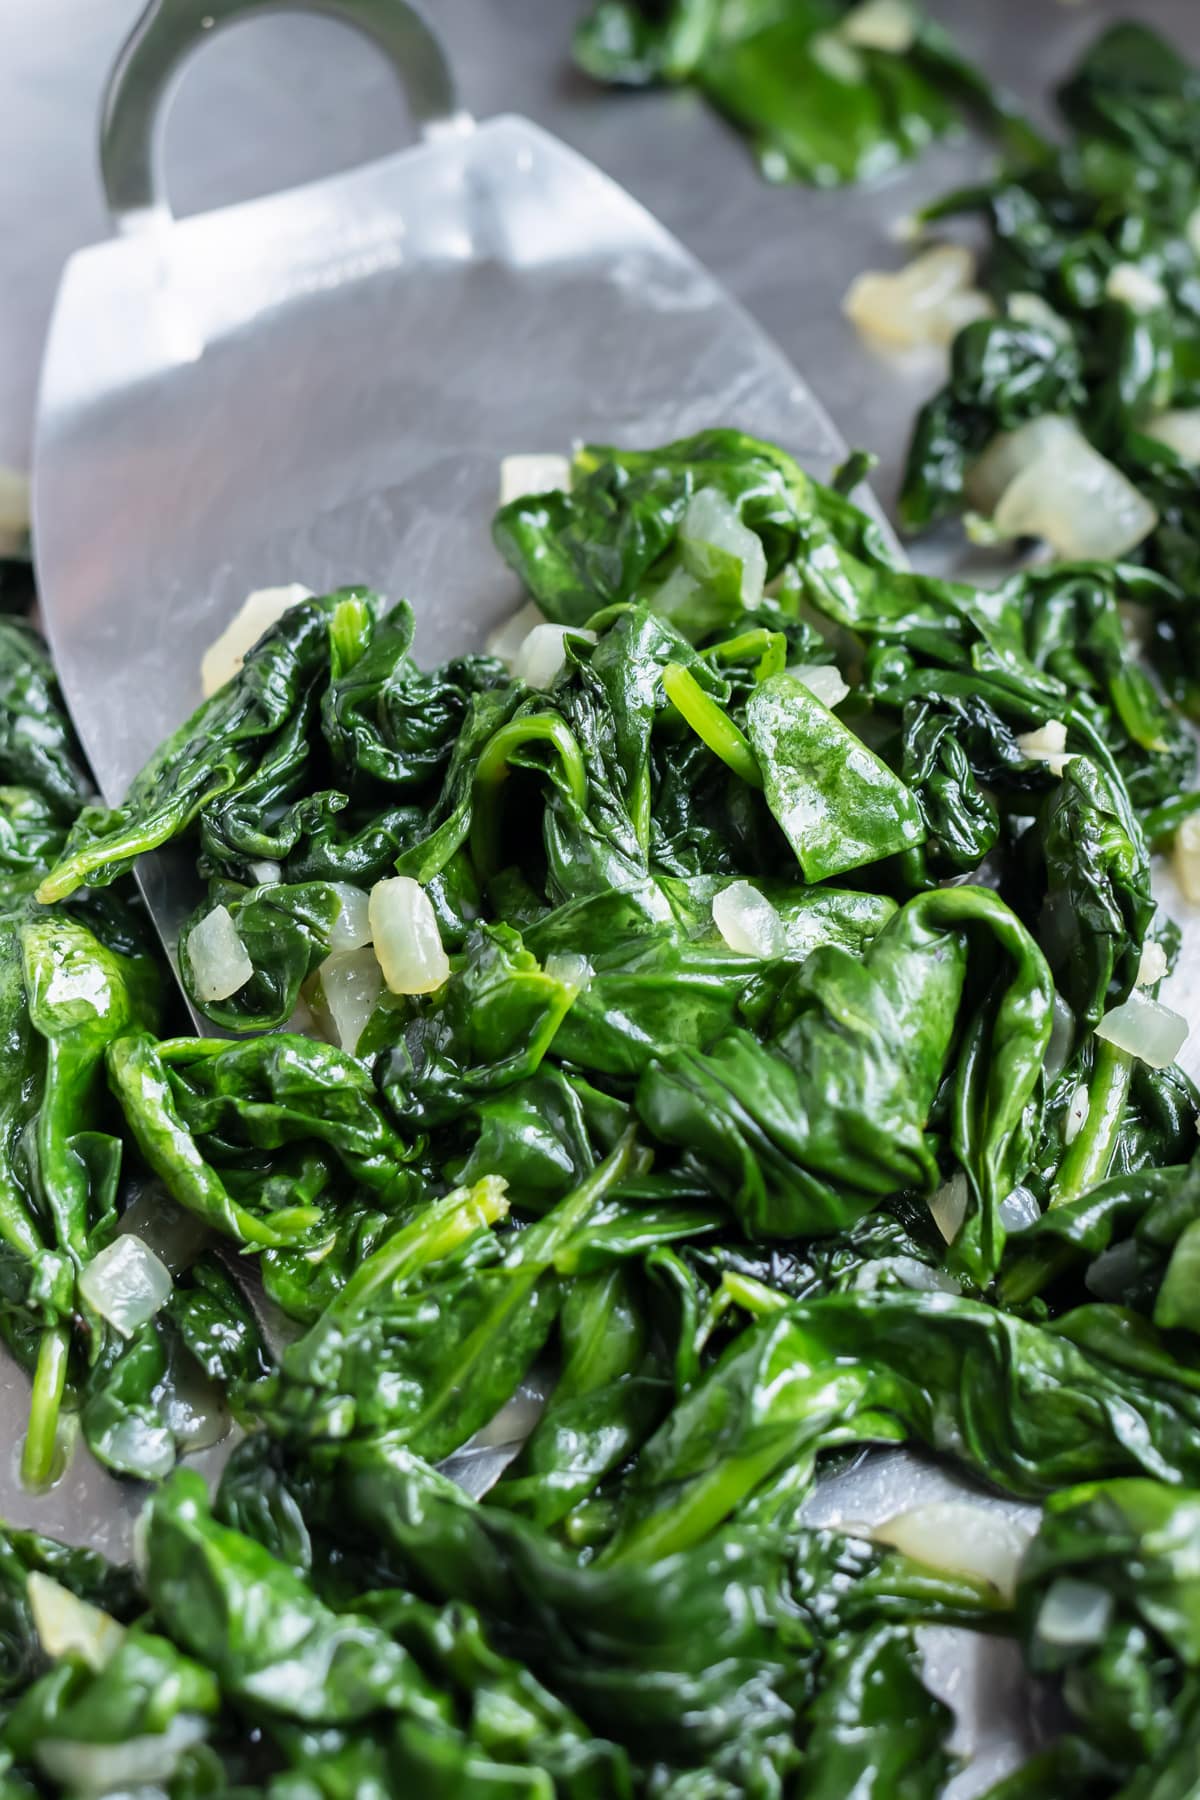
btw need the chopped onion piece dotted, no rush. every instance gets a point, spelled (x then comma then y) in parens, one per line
(822, 679)
(838, 58)
(964, 1539)
(880, 25)
(1131, 284)
(89, 1770)
(1146, 1029)
(1074, 1612)
(407, 941)
(949, 1206)
(350, 982)
(505, 641)
(217, 956)
(910, 1271)
(1078, 1107)
(569, 968)
(126, 1284)
(1047, 744)
(68, 1626)
(711, 524)
(540, 472)
(1179, 431)
(266, 873)
(1031, 309)
(1009, 452)
(1018, 1210)
(259, 611)
(543, 657)
(1191, 230)
(1152, 965)
(1064, 491)
(748, 922)
(928, 302)
(352, 927)
(14, 511)
(1186, 858)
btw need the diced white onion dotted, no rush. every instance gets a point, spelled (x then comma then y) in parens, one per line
(837, 57)
(407, 942)
(676, 594)
(505, 641)
(258, 612)
(14, 511)
(1179, 431)
(1131, 284)
(960, 1538)
(68, 1626)
(1018, 1210)
(822, 679)
(350, 983)
(89, 1770)
(126, 1284)
(1045, 480)
(541, 472)
(543, 657)
(217, 956)
(352, 927)
(1031, 309)
(907, 1269)
(1074, 1612)
(569, 968)
(1047, 745)
(1186, 858)
(949, 1206)
(1152, 964)
(928, 302)
(1146, 1029)
(880, 25)
(748, 921)
(1011, 451)
(1078, 1107)
(266, 873)
(711, 522)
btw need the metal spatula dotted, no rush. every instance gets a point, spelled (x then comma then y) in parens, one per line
(318, 386)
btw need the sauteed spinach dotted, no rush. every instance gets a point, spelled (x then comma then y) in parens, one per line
(828, 91)
(714, 1035)
(1092, 265)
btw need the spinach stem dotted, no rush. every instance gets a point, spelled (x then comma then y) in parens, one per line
(1087, 1159)
(711, 723)
(49, 1383)
(495, 766)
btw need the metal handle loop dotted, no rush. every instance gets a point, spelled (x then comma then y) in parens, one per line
(143, 76)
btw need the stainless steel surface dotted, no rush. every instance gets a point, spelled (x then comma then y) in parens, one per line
(278, 101)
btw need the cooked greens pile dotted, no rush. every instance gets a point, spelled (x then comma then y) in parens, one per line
(727, 1040)
(1094, 266)
(828, 91)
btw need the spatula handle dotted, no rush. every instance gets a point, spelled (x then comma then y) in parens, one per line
(169, 30)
